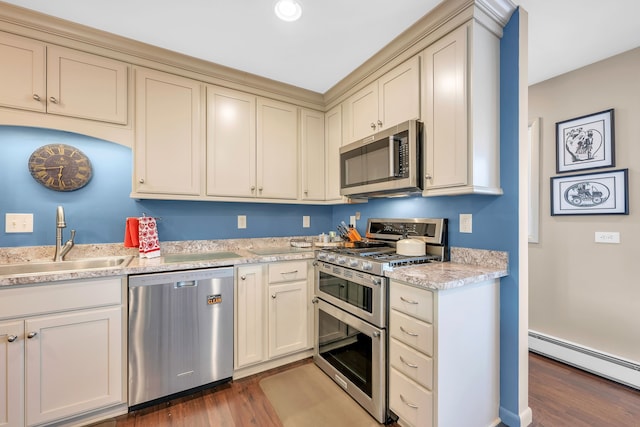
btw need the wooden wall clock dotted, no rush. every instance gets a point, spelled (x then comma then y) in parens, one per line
(60, 167)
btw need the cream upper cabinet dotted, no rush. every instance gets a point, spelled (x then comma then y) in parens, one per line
(231, 143)
(460, 103)
(392, 99)
(313, 155)
(277, 150)
(22, 73)
(169, 134)
(333, 142)
(53, 79)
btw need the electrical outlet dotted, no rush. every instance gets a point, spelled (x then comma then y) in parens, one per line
(306, 221)
(242, 221)
(18, 223)
(607, 237)
(466, 223)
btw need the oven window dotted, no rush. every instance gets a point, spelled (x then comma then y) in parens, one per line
(347, 349)
(353, 293)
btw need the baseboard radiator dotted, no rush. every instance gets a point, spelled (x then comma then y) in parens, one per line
(605, 365)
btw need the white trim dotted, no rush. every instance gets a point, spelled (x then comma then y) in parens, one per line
(606, 365)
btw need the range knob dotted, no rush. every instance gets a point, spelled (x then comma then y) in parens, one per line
(366, 265)
(353, 263)
(342, 260)
(322, 255)
(331, 257)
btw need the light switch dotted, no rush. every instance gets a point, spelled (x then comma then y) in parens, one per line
(18, 223)
(306, 221)
(242, 221)
(466, 223)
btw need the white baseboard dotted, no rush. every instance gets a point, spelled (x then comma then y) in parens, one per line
(605, 365)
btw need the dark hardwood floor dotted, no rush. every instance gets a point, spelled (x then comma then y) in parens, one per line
(559, 396)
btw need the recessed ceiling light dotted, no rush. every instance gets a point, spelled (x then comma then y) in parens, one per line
(288, 10)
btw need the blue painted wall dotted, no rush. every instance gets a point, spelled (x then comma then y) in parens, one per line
(98, 211)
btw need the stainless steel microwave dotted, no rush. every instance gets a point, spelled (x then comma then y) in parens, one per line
(386, 163)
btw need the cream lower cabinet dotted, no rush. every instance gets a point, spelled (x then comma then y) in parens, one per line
(169, 135)
(392, 99)
(460, 107)
(444, 350)
(273, 313)
(66, 364)
(46, 78)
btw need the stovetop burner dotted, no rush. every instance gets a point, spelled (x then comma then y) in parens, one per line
(376, 256)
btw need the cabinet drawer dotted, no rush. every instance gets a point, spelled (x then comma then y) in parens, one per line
(413, 301)
(60, 296)
(412, 403)
(287, 271)
(412, 332)
(413, 364)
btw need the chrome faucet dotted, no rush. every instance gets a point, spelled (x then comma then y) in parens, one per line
(61, 250)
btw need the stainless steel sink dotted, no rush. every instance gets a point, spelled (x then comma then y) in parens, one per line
(71, 265)
(203, 256)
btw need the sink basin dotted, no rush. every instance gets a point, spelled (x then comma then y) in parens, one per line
(71, 265)
(205, 256)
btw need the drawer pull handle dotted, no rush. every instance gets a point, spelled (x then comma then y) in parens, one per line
(411, 334)
(409, 404)
(31, 334)
(408, 301)
(289, 272)
(411, 365)
(12, 338)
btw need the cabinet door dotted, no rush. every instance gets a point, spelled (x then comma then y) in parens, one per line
(87, 86)
(333, 142)
(11, 374)
(22, 73)
(277, 150)
(169, 134)
(399, 94)
(445, 110)
(250, 316)
(287, 318)
(313, 156)
(74, 363)
(361, 114)
(231, 143)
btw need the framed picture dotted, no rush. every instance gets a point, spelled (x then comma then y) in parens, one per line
(601, 193)
(585, 142)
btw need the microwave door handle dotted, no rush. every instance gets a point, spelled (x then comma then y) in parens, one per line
(392, 157)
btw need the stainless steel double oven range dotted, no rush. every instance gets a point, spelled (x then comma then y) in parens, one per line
(351, 305)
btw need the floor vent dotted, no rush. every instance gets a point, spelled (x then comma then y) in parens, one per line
(608, 366)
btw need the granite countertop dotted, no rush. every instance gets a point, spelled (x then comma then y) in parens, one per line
(266, 250)
(467, 266)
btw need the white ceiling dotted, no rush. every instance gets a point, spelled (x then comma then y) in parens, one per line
(333, 37)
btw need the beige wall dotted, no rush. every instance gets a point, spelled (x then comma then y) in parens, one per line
(581, 291)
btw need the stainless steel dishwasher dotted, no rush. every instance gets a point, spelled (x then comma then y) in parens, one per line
(180, 333)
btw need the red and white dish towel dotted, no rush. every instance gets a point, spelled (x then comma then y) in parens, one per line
(143, 233)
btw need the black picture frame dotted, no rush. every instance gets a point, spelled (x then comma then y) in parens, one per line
(586, 142)
(596, 193)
